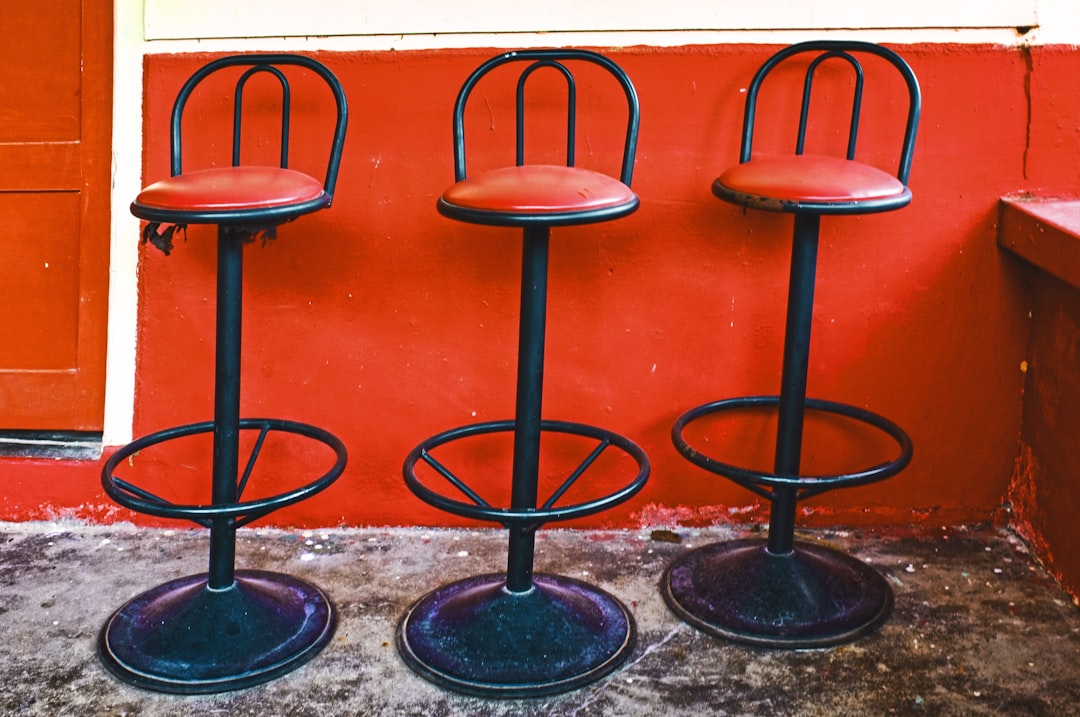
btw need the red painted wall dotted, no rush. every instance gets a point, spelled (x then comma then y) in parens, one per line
(385, 322)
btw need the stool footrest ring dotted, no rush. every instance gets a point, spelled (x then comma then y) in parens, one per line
(807, 485)
(480, 509)
(241, 513)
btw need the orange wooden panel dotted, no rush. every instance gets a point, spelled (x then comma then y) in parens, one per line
(39, 281)
(55, 137)
(41, 165)
(41, 54)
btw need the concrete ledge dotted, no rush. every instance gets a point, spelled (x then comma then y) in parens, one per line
(1044, 231)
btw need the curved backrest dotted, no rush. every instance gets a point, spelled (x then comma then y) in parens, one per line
(269, 64)
(554, 59)
(837, 51)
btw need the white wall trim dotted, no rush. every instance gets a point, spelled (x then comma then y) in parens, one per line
(203, 19)
(403, 43)
(128, 50)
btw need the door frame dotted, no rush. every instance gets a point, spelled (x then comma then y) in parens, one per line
(127, 153)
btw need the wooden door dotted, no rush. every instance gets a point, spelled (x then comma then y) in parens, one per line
(55, 135)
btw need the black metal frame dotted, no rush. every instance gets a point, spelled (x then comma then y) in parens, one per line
(537, 60)
(522, 518)
(582, 632)
(841, 50)
(225, 629)
(852, 598)
(259, 63)
(532, 518)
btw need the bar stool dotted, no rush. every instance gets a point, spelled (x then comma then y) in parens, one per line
(781, 592)
(228, 628)
(520, 633)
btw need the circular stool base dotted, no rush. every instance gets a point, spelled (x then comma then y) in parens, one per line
(183, 637)
(812, 597)
(476, 637)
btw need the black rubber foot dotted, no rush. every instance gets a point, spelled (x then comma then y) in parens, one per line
(183, 637)
(478, 638)
(812, 597)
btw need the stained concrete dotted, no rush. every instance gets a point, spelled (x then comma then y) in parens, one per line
(978, 628)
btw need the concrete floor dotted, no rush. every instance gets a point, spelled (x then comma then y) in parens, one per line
(978, 627)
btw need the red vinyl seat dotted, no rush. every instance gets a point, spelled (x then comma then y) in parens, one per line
(231, 189)
(808, 181)
(539, 189)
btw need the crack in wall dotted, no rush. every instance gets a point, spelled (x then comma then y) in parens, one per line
(1025, 53)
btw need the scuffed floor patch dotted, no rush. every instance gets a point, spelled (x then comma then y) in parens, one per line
(978, 627)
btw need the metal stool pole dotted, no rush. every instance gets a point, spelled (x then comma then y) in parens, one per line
(226, 463)
(530, 385)
(800, 310)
